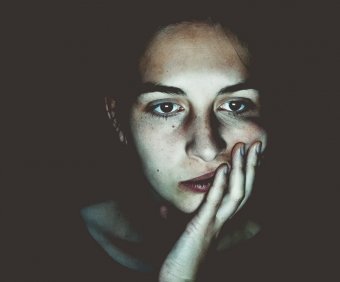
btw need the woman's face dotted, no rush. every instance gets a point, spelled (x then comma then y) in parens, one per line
(194, 106)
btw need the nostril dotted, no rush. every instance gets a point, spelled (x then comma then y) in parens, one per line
(205, 147)
(205, 141)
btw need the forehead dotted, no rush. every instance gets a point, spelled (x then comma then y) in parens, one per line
(189, 47)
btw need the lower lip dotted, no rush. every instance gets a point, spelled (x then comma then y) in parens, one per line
(195, 187)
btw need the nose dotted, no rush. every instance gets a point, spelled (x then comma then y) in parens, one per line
(204, 141)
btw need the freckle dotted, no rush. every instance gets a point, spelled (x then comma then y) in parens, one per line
(157, 170)
(173, 126)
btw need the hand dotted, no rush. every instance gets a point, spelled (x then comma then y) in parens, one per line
(183, 261)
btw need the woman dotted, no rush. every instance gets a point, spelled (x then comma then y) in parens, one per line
(191, 117)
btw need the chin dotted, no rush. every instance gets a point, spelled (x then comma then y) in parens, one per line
(189, 206)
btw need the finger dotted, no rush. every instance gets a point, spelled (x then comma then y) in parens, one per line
(236, 192)
(251, 165)
(213, 200)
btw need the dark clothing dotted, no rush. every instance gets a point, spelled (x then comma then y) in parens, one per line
(72, 255)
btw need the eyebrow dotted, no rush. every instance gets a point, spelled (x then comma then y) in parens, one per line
(149, 87)
(243, 85)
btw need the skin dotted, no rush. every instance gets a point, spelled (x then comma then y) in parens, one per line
(200, 131)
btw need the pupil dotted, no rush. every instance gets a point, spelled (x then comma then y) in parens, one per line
(234, 106)
(167, 107)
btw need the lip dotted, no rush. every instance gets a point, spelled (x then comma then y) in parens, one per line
(202, 177)
(200, 184)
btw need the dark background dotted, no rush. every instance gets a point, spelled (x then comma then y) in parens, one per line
(57, 144)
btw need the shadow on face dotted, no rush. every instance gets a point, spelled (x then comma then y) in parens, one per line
(195, 104)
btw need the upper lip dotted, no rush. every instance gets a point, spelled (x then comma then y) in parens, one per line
(202, 177)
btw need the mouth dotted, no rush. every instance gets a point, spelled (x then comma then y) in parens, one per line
(199, 184)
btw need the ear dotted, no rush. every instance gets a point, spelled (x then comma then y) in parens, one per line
(111, 106)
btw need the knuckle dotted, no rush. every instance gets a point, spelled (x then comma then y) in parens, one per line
(214, 203)
(237, 197)
(252, 162)
(193, 227)
(237, 165)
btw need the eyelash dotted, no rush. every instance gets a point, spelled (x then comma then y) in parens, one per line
(152, 109)
(247, 106)
(246, 103)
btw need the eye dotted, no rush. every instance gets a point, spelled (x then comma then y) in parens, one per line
(166, 109)
(236, 106)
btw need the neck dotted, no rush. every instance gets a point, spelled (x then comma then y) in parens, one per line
(134, 243)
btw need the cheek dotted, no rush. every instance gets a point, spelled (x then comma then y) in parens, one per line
(247, 133)
(158, 147)
(156, 142)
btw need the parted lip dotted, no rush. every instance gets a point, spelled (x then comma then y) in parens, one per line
(203, 177)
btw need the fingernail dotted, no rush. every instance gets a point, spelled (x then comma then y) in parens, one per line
(243, 150)
(258, 148)
(225, 170)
